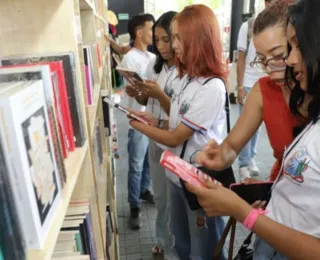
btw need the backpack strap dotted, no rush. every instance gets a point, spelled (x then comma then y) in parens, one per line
(227, 109)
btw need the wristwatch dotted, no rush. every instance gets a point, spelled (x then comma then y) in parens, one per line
(240, 87)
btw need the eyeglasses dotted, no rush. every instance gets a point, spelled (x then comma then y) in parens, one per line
(276, 63)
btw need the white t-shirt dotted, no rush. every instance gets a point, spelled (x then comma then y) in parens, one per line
(251, 74)
(200, 107)
(295, 198)
(164, 79)
(138, 61)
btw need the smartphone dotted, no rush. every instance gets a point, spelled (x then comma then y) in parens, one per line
(129, 74)
(253, 192)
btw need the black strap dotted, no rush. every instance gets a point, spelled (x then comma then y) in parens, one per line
(227, 109)
(247, 242)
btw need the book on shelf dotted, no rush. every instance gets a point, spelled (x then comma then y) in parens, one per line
(77, 230)
(12, 244)
(68, 62)
(61, 102)
(89, 86)
(89, 72)
(95, 56)
(42, 72)
(106, 117)
(27, 141)
(99, 139)
(96, 160)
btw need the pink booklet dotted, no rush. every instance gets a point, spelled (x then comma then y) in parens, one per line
(181, 168)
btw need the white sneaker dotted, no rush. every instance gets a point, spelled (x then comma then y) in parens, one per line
(253, 166)
(244, 172)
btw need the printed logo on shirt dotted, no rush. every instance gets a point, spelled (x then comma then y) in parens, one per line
(184, 107)
(169, 91)
(297, 165)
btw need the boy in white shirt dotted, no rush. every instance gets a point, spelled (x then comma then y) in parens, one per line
(138, 58)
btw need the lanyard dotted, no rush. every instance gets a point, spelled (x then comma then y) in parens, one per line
(184, 88)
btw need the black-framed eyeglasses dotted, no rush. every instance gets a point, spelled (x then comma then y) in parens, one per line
(276, 63)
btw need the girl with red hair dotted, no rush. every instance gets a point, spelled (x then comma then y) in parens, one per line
(196, 114)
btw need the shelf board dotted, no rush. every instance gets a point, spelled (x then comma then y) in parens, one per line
(73, 166)
(86, 5)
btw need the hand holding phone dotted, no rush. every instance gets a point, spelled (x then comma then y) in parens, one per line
(252, 193)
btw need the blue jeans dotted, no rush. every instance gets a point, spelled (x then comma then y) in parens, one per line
(262, 251)
(192, 241)
(250, 150)
(139, 179)
(160, 192)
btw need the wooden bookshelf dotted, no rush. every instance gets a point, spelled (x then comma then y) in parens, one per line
(57, 26)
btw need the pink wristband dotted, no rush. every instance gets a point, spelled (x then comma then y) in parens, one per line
(252, 218)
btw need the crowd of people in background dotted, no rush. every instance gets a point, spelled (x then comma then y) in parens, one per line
(183, 98)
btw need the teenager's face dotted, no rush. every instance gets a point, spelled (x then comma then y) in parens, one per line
(176, 40)
(271, 44)
(146, 33)
(163, 43)
(295, 59)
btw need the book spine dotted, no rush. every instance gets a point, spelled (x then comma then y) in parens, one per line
(79, 124)
(79, 244)
(92, 243)
(88, 84)
(57, 146)
(65, 108)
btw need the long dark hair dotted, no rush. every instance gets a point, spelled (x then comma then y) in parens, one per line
(304, 16)
(164, 22)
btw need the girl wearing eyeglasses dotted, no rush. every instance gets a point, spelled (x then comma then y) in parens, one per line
(290, 226)
(268, 100)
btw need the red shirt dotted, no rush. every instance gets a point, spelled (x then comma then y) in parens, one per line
(278, 119)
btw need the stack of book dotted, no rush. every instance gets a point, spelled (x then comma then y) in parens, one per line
(76, 237)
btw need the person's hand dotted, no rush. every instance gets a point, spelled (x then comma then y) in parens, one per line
(150, 88)
(149, 117)
(211, 157)
(217, 200)
(241, 95)
(132, 91)
(108, 38)
(250, 181)
(258, 204)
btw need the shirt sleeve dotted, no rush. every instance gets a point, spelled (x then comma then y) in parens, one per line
(129, 63)
(150, 73)
(242, 44)
(206, 107)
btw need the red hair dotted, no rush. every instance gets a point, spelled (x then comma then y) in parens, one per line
(202, 44)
